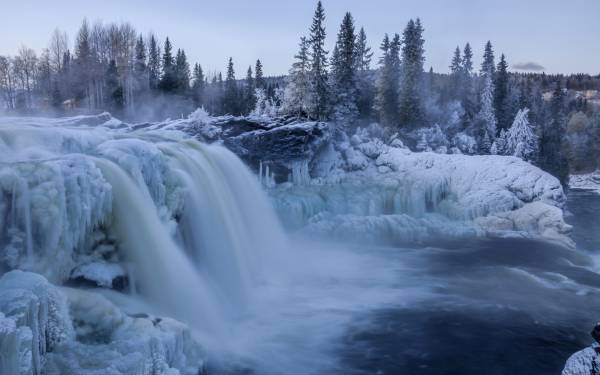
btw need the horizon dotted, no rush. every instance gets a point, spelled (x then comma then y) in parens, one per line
(210, 37)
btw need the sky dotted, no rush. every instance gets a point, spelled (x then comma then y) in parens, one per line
(555, 36)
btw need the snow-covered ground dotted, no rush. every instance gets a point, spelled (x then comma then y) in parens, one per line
(588, 181)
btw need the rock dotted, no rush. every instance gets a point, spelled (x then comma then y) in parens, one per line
(280, 146)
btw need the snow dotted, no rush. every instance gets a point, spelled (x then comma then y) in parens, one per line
(34, 321)
(588, 181)
(52, 331)
(366, 182)
(582, 362)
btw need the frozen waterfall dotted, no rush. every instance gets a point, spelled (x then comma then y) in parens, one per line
(190, 221)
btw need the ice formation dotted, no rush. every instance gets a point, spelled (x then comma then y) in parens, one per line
(365, 183)
(142, 210)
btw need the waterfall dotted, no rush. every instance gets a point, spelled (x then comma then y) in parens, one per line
(165, 273)
(191, 221)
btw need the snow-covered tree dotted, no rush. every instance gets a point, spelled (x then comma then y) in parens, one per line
(296, 98)
(388, 80)
(411, 83)
(488, 65)
(259, 79)
(365, 86)
(319, 86)
(486, 117)
(521, 140)
(344, 82)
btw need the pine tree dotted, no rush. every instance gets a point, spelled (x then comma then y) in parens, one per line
(168, 81)
(140, 67)
(552, 158)
(363, 52)
(386, 98)
(83, 61)
(521, 140)
(319, 88)
(365, 87)
(456, 75)
(198, 86)
(230, 95)
(249, 92)
(182, 72)
(501, 94)
(153, 64)
(488, 66)
(468, 95)
(259, 79)
(411, 84)
(297, 90)
(344, 83)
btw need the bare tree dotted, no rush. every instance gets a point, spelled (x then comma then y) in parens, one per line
(7, 82)
(59, 44)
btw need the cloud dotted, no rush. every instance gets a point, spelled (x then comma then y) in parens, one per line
(530, 66)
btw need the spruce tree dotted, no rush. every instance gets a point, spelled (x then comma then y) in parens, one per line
(456, 75)
(344, 83)
(319, 87)
(363, 52)
(153, 63)
(249, 99)
(198, 86)
(411, 84)
(468, 95)
(168, 81)
(140, 67)
(230, 94)
(501, 94)
(386, 98)
(365, 87)
(488, 66)
(259, 80)
(182, 72)
(552, 158)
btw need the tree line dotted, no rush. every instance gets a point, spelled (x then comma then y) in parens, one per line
(485, 110)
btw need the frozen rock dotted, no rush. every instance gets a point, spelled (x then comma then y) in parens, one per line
(34, 321)
(584, 362)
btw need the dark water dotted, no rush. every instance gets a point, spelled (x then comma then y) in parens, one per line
(502, 306)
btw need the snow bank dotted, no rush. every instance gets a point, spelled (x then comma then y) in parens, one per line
(387, 184)
(589, 181)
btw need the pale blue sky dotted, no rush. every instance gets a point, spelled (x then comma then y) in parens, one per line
(561, 35)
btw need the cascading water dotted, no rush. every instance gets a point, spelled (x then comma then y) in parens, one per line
(226, 237)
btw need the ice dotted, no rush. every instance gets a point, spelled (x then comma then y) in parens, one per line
(491, 195)
(34, 320)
